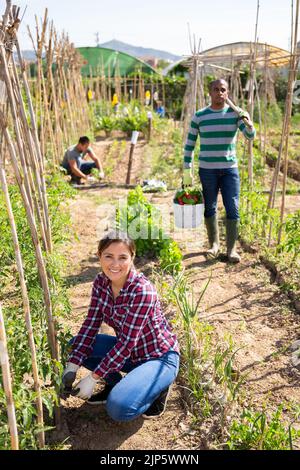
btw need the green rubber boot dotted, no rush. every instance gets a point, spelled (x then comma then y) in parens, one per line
(213, 236)
(231, 238)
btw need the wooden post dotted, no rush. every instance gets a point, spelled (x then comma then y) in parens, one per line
(149, 115)
(7, 385)
(134, 139)
(134, 86)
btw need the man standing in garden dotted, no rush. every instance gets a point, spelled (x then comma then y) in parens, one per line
(75, 164)
(217, 126)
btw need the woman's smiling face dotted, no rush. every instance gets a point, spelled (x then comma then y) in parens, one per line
(116, 261)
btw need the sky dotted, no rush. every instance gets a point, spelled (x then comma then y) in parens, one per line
(162, 24)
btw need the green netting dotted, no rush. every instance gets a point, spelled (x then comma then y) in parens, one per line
(99, 59)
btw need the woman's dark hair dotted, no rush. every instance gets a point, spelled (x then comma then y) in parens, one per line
(115, 237)
(84, 140)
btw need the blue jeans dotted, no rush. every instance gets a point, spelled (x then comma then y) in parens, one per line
(132, 395)
(228, 181)
(85, 167)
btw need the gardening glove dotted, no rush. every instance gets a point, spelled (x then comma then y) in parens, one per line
(101, 175)
(84, 389)
(91, 179)
(187, 177)
(246, 118)
(69, 374)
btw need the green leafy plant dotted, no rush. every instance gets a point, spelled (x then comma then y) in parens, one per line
(137, 122)
(106, 123)
(291, 242)
(146, 220)
(257, 430)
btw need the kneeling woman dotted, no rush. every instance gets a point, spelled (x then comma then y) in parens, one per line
(145, 348)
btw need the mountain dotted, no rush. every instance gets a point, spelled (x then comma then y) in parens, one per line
(137, 51)
(29, 56)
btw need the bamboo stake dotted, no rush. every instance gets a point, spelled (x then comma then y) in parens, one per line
(50, 61)
(265, 103)
(293, 73)
(109, 84)
(18, 110)
(125, 90)
(35, 151)
(163, 92)
(26, 306)
(7, 385)
(251, 98)
(134, 86)
(46, 113)
(61, 91)
(51, 332)
(35, 239)
(10, 95)
(285, 132)
(259, 117)
(67, 98)
(30, 160)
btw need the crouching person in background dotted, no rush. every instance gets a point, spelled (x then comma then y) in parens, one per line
(145, 348)
(76, 165)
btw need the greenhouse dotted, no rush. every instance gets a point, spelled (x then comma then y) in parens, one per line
(108, 62)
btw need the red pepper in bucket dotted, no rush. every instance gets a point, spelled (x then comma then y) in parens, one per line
(189, 196)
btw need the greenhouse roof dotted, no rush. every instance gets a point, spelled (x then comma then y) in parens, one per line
(99, 61)
(238, 53)
(242, 52)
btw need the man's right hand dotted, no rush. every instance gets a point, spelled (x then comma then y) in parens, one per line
(187, 177)
(69, 374)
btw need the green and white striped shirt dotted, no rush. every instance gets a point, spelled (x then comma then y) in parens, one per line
(218, 132)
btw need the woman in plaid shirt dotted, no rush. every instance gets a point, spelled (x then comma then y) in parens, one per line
(145, 348)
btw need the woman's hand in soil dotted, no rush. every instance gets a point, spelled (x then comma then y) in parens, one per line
(84, 388)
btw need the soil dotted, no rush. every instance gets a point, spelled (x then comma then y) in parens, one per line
(241, 300)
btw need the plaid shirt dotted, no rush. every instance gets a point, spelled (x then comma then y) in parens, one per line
(141, 328)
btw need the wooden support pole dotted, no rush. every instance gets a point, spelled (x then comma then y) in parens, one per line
(26, 306)
(7, 385)
(251, 98)
(293, 72)
(134, 139)
(149, 115)
(35, 239)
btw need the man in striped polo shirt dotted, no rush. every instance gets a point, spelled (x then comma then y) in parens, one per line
(218, 125)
